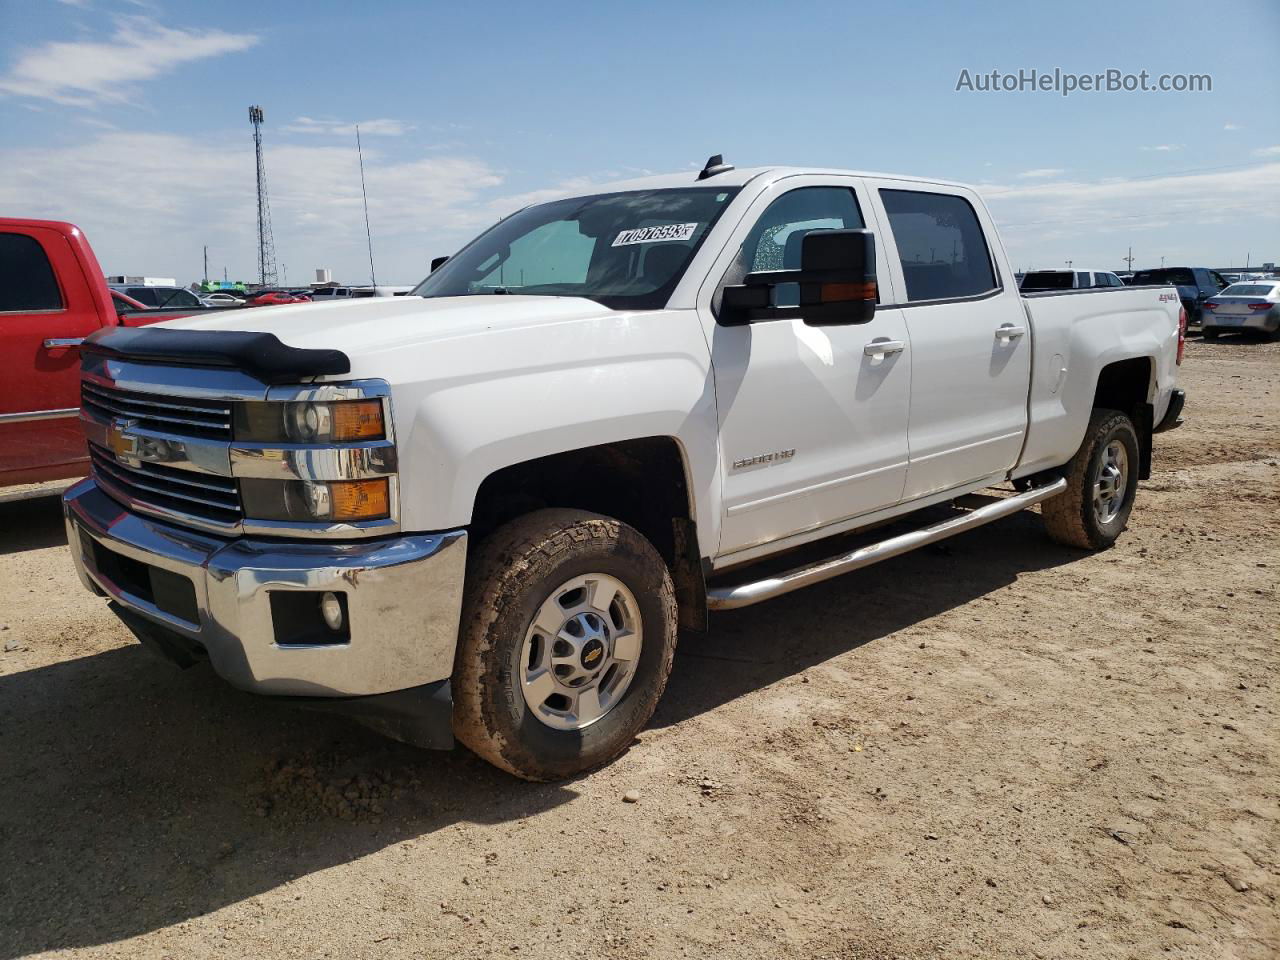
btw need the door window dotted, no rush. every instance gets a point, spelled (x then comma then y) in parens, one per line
(27, 282)
(940, 245)
(775, 241)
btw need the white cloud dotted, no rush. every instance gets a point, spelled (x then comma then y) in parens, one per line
(148, 202)
(88, 73)
(382, 127)
(1166, 147)
(1267, 152)
(1205, 215)
(1041, 173)
(1230, 126)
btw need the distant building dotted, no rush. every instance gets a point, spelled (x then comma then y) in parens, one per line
(123, 280)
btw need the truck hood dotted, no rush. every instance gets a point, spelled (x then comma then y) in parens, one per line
(362, 328)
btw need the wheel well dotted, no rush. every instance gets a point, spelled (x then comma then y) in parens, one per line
(640, 482)
(1125, 385)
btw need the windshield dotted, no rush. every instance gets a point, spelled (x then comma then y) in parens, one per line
(1178, 276)
(1247, 290)
(624, 250)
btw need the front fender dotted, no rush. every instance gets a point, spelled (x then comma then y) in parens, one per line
(509, 396)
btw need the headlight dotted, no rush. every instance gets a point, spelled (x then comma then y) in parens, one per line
(335, 421)
(337, 501)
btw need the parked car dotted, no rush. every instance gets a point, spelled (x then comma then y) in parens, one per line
(52, 295)
(1253, 306)
(485, 510)
(319, 294)
(275, 298)
(220, 299)
(1069, 280)
(1195, 285)
(381, 291)
(127, 302)
(163, 298)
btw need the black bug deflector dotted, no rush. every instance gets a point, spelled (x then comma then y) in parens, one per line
(261, 355)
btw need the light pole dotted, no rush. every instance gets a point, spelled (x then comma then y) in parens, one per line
(1162, 263)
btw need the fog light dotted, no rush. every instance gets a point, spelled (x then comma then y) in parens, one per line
(331, 610)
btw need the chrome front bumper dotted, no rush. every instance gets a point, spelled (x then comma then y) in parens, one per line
(403, 598)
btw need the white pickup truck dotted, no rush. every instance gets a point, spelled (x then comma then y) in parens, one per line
(486, 509)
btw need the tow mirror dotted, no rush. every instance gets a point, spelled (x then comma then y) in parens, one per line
(437, 263)
(837, 280)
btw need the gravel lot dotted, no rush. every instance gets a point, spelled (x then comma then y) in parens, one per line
(994, 748)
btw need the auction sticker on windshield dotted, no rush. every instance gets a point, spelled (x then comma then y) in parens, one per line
(667, 231)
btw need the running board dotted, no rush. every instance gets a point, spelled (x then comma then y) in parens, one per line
(745, 594)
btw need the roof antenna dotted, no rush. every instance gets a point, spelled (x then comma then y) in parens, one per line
(714, 166)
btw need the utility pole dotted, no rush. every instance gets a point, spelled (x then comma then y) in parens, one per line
(1129, 259)
(206, 265)
(1068, 264)
(1162, 263)
(266, 245)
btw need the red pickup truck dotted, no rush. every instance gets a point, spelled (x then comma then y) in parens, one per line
(52, 296)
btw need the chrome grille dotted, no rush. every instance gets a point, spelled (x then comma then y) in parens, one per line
(187, 416)
(210, 498)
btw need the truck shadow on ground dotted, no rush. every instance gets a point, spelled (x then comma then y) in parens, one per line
(31, 524)
(755, 646)
(134, 797)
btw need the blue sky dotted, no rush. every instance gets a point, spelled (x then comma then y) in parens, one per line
(130, 118)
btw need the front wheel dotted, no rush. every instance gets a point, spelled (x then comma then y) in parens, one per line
(1102, 479)
(569, 631)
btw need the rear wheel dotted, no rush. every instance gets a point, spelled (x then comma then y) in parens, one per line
(1102, 479)
(569, 630)
(1209, 334)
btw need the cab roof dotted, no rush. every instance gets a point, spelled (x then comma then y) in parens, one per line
(740, 176)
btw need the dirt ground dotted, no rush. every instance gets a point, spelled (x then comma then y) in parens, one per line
(995, 748)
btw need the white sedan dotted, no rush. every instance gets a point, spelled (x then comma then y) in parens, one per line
(220, 300)
(1254, 306)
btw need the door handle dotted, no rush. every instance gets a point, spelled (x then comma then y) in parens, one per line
(1007, 331)
(59, 342)
(882, 348)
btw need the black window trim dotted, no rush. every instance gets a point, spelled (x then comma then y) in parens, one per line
(995, 291)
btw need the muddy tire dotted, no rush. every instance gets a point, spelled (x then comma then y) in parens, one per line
(1102, 479)
(567, 640)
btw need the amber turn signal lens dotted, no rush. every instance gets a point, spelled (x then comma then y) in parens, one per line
(359, 499)
(842, 292)
(357, 420)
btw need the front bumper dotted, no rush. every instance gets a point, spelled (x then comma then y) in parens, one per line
(402, 595)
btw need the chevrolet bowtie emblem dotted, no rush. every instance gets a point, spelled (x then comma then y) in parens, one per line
(119, 441)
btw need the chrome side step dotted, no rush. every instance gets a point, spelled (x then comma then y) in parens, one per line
(745, 594)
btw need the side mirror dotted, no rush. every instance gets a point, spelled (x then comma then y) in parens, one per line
(437, 263)
(837, 279)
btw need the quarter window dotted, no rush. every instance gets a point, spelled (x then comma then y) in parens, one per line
(940, 244)
(27, 282)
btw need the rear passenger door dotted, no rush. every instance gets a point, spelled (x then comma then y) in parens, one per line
(970, 343)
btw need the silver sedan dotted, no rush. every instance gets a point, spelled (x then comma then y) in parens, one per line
(1253, 306)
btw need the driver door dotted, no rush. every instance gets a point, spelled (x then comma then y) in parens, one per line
(813, 419)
